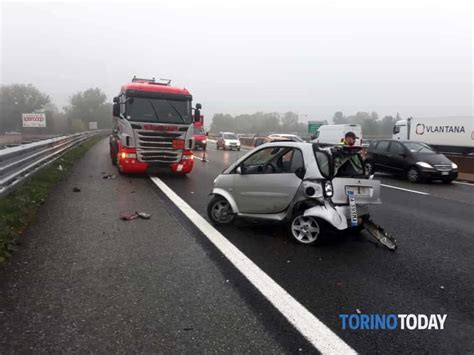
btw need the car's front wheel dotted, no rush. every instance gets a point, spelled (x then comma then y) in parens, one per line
(413, 174)
(220, 211)
(306, 229)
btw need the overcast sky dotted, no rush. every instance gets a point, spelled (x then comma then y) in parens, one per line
(314, 58)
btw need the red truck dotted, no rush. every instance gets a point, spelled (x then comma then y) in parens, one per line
(200, 136)
(153, 127)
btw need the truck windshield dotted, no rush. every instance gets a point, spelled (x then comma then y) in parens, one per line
(158, 110)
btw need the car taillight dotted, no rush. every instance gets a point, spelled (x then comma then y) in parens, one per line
(178, 144)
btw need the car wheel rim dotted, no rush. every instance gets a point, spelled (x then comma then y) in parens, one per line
(412, 175)
(222, 212)
(305, 229)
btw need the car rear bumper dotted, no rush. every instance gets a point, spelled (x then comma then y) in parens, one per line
(200, 144)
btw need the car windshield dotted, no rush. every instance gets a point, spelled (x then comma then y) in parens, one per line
(230, 136)
(418, 147)
(141, 109)
(199, 130)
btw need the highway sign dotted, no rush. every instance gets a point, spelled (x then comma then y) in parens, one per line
(313, 126)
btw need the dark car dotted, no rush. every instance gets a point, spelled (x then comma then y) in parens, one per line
(414, 160)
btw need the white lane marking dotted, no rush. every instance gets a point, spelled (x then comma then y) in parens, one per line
(315, 331)
(464, 183)
(401, 188)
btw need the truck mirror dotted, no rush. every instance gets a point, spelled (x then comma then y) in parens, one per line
(207, 133)
(116, 109)
(197, 115)
(116, 99)
(198, 106)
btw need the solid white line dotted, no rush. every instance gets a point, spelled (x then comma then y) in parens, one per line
(315, 331)
(401, 188)
(464, 183)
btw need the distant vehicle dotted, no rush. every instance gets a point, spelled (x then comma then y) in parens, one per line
(416, 161)
(200, 137)
(335, 133)
(267, 139)
(290, 137)
(227, 140)
(153, 127)
(446, 134)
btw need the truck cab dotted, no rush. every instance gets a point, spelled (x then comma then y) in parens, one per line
(400, 130)
(153, 127)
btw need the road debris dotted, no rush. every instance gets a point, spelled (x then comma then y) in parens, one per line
(109, 176)
(380, 235)
(76, 189)
(128, 216)
(60, 167)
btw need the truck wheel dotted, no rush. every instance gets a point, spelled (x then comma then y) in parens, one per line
(306, 229)
(413, 174)
(220, 211)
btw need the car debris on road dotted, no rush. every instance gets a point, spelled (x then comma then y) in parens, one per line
(128, 216)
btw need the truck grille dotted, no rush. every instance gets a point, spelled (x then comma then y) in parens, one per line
(443, 167)
(157, 147)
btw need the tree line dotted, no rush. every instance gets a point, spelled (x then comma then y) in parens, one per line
(83, 107)
(262, 123)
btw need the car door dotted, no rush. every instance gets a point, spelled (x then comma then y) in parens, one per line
(379, 156)
(396, 158)
(269, 180)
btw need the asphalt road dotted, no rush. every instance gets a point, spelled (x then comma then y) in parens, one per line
(85, 281)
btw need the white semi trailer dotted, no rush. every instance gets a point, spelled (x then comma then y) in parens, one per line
(445, 134)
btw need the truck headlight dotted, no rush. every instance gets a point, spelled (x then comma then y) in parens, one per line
(204, 141)
(454, 166)
(328, 190)
(424, 165)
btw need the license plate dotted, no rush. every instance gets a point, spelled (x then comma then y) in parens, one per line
(353, 208)
(445, 173)
(358, 190)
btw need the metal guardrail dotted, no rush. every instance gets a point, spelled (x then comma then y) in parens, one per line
(20, 162)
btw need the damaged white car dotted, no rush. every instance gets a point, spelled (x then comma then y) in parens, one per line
(310, 188)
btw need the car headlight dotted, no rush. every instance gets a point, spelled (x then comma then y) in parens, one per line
(204, 141)
(328, 190)
(454, 166)
(424, 165)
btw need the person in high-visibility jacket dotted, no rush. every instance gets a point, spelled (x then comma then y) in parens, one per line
(347, 163)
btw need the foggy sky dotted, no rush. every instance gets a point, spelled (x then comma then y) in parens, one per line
(314, 58)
